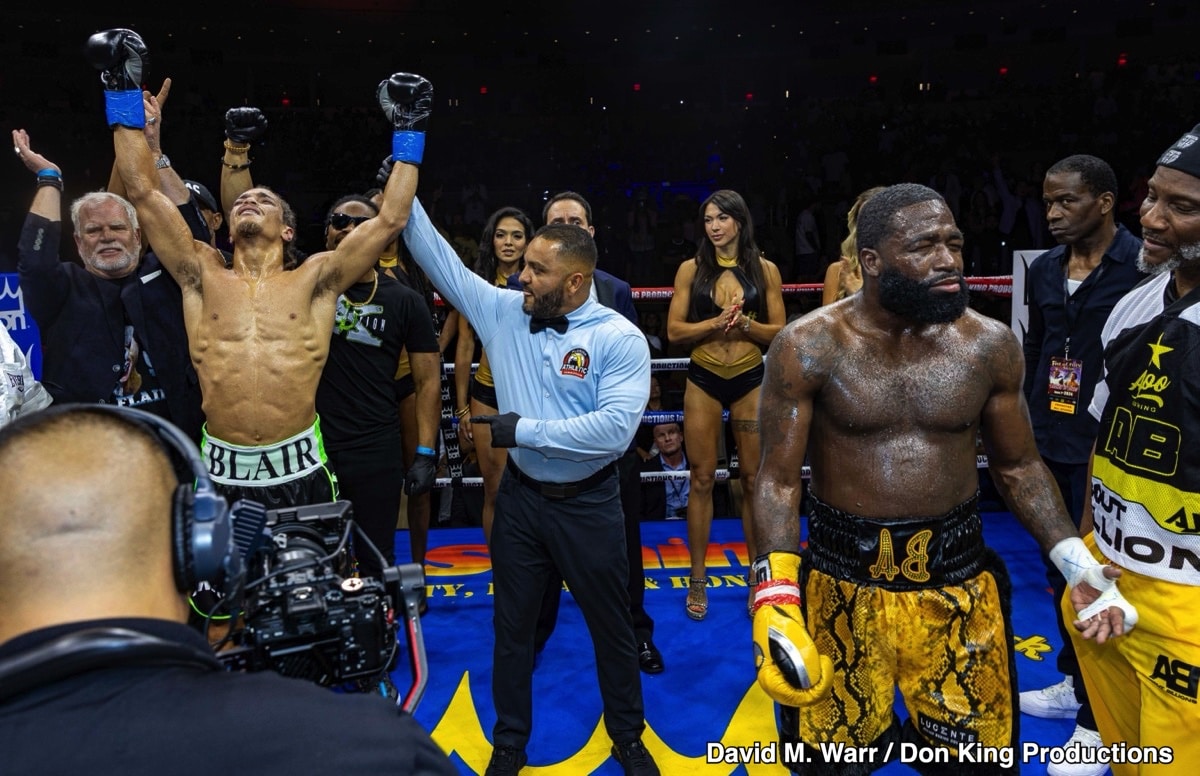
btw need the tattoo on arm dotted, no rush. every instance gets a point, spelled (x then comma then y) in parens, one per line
(745, 426)
(1034, 499)
(776, 523)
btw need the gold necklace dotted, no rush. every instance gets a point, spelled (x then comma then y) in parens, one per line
(727, 261)
(371, 296)
(348, 318)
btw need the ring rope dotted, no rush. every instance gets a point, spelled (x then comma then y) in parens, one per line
(682, 474)
(1000, 285)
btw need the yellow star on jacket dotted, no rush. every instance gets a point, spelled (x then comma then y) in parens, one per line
(1157, 349)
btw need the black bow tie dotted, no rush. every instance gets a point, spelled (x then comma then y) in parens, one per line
(558, 323)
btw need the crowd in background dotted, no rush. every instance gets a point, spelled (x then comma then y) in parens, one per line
(646, 170)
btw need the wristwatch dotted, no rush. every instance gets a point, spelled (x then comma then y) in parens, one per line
(162, 161)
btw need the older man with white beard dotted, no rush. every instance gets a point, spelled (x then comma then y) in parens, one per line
(1145, 467)
(112, 330)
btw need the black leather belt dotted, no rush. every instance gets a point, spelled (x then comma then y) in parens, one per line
(562, 490)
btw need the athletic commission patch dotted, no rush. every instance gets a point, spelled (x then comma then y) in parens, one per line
(575, 363)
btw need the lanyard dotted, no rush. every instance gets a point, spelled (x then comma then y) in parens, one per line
(676, 484)
(1068, 310)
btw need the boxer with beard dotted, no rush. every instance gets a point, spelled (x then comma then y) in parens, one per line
(899, 588)
(1145, 480)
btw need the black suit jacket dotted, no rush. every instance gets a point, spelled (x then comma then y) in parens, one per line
(654, 494)
(82, 319)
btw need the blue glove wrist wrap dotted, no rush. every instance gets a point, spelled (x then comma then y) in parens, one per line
(407, 146)
(125, 109)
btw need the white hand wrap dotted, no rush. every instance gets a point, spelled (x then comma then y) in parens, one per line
(1077, 564)
(1072, 558)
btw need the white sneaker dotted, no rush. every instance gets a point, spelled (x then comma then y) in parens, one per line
(1054, 702)
(1078, 745)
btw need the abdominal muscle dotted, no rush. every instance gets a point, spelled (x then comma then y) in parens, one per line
(899, 475)
(720, 347)
(259, 356)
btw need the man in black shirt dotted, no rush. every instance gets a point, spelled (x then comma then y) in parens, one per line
(1071, 290)
(359, 395)
(101, 646)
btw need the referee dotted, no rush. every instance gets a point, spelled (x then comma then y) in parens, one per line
(572, 378)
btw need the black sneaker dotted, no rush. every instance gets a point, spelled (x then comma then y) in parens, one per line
(507, 761)
(635, 759)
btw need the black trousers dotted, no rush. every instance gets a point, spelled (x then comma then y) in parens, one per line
(635, 585)
(372, 483)
(582, 539)
(1072, 482)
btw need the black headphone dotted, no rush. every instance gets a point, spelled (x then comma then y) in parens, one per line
(202, 547)
(203, 550)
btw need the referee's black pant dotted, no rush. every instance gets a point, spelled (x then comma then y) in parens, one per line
(583, 538)
(630, 475)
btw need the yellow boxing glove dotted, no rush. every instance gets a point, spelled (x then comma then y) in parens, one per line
(789, 667)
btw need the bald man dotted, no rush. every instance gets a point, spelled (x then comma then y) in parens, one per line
(83, 559)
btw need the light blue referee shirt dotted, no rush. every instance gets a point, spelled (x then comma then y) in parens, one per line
(580, 395)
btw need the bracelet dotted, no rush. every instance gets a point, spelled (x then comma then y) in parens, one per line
(45, 180)
(49, 172)
(236, 166)
(462, 413)
(745, 325)
(237, 149)
(423, 450)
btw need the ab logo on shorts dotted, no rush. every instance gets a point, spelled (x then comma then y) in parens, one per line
(914, 567)
(1177, 677)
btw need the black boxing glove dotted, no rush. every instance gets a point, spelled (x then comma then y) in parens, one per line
(504, 428)
(120, 56)
(407, 101)
(420, 476)
(244, 125)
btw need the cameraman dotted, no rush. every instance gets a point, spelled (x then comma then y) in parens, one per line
(77, 553)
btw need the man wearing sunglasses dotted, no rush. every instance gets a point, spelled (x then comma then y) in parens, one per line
(359, 395)
(259, 335)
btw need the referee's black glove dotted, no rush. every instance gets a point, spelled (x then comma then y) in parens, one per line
(504, 428)
(385, 171)
(420, 476)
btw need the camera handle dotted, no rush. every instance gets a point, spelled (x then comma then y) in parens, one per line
(406, 582)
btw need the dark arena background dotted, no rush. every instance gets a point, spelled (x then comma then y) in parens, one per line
(645, 108)
(660, 102)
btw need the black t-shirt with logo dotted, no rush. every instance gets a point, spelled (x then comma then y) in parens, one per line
(356, 397)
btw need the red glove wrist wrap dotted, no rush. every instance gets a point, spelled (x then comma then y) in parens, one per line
(777, 592)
